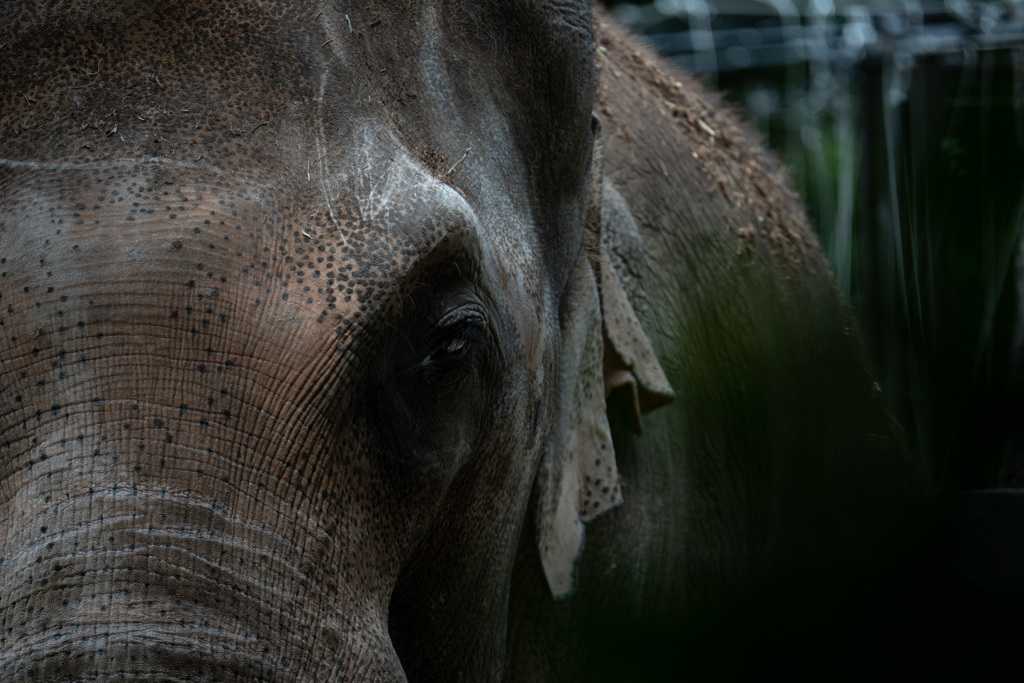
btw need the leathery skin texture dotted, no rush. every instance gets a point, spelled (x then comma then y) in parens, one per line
(250, 273)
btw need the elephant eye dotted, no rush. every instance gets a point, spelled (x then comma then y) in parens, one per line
(454, 339)
(451, 350)
(430, 394)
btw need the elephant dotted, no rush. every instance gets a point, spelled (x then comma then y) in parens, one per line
(411, 340)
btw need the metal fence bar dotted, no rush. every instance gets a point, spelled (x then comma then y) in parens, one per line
(708, 38)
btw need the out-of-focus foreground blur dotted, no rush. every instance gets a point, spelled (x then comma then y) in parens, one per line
(902, 126)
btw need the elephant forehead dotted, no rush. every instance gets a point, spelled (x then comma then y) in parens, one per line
(332, 103)
(246, 83)
(144, 248)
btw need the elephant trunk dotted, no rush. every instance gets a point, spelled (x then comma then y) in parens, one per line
(174, 491)
(171, 566)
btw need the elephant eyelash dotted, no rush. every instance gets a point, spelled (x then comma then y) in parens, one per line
(454, 347)
(457, 343)
(450, 344)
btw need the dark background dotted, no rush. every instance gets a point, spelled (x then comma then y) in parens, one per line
(901, 124)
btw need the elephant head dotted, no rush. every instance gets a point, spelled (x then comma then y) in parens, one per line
(301, 333)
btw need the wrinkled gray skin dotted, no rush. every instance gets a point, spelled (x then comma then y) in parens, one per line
(305, 368)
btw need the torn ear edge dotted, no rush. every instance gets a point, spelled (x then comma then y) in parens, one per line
(604, 348)
(629, 359)
(578, 479)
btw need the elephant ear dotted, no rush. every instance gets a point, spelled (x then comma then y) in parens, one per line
(603, 348)
(629, 358)
(579, 479)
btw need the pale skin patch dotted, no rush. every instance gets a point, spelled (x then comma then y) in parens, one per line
(379, 177)
(335, 39)
(321, 156)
